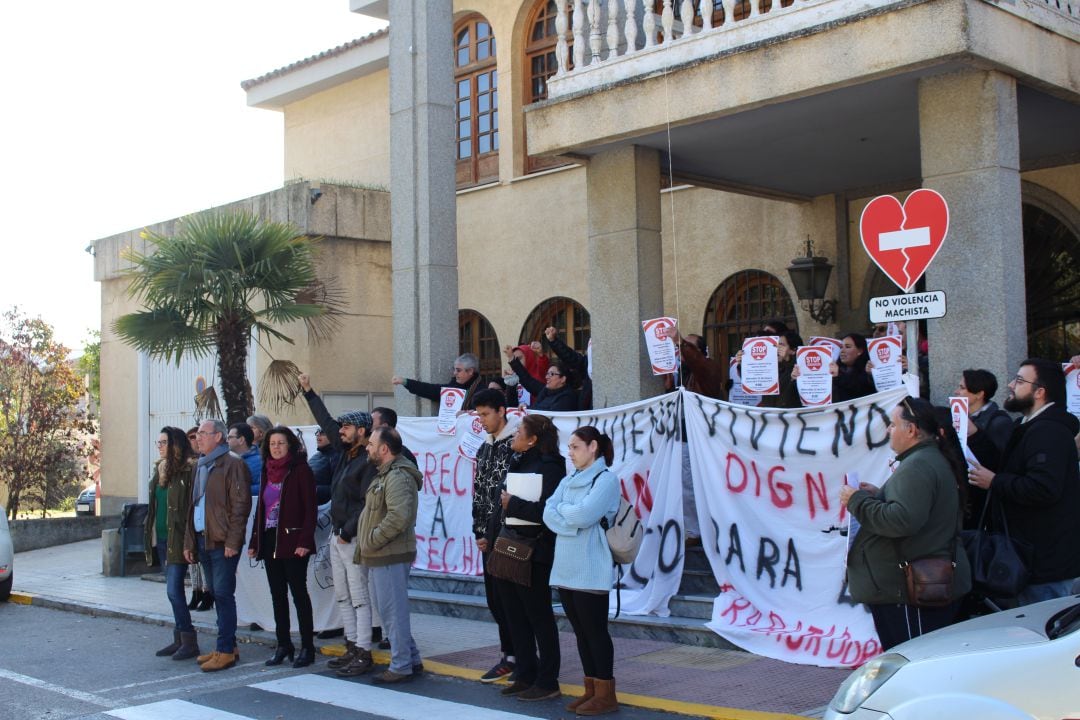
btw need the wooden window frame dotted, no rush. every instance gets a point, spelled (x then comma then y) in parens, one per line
(543, 11)
(476, 335)
(476, 73)
(568, 316)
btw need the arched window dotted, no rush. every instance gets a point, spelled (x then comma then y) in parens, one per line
(565, 315)
(477, 82)
(477, 336)
(740, 307)
(540, 64)
(1052, 281)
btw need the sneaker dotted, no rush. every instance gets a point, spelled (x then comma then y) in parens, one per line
(503, 668)
(343, 660)
(389, 676)
(360, 664)
(516, 689)
(538, 693)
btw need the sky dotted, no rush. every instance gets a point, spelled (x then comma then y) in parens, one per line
(122, 113)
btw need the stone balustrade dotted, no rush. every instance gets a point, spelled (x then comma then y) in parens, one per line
(602, 42)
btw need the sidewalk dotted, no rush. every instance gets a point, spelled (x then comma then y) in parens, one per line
(665, 676)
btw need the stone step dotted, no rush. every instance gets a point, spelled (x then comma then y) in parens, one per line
(674, 629)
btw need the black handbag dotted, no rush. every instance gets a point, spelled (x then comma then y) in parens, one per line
(511, 557)
(998, 566)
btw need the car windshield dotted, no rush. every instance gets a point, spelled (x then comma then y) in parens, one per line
(1064, 622)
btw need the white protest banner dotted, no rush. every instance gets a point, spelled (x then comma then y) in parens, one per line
(253, 603)
(885, 354)
(451, 402)
(767, 484)
(1072, 388)
(760, 366)
(648, 461)
(815, 380)
(737, 395)
(958, 411)
(833, 344)
(662, 351)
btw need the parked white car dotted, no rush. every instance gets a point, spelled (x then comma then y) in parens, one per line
(1022, 663)
(7, 557)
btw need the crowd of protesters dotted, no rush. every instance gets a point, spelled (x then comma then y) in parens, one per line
(1019, 468)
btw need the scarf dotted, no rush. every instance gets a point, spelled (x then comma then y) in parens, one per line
(277, 469)
(202, 473)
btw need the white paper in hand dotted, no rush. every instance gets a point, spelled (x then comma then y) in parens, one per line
(526, 486)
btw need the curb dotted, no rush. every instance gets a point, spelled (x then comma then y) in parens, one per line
(714, 712)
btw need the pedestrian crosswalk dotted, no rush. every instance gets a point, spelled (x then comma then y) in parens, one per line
(324, 694)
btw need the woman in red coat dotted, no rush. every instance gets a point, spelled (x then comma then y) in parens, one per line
(283, 537)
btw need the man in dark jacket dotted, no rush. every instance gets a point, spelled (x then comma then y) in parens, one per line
(1038, 486)
(492, 461)
(217, 523)
(466, 377)
(349, 484)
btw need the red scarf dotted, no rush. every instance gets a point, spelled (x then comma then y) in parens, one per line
(277, 469)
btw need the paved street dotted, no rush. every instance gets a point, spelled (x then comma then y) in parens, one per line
(61, 666)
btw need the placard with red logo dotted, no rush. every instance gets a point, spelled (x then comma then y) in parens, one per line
(834, 346)
(662, 352)
(958, 412)
(451, 403)
(1072, 388)
(760, 366)
(885, 355)
(815, 380)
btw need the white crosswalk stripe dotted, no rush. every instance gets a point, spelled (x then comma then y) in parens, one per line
(379, 701)
(173, 710)
(325, 691)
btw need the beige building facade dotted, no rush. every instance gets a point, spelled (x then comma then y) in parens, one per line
(612, 168)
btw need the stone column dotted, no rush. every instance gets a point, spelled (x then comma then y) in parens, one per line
(625, 271)
(970, 151)
(423, 212)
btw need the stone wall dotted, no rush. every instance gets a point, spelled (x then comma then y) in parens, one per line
(47, 532)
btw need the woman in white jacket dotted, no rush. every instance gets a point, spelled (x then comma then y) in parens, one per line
(583, 568)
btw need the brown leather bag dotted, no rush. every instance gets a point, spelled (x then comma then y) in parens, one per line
(929, 581)
(511, 558)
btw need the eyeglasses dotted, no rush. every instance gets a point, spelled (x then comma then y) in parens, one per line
(1017, 380)
(233, 437)
(554, 373)
(162, 443)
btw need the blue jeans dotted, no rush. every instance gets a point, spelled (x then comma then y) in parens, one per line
(392, 598)
(174, 590)
(1044, 591)
(222, 572)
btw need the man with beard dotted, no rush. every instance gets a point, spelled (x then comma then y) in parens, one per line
(1038, 486)
(348, 486)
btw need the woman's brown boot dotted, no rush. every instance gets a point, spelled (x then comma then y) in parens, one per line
(604, 701)
(590, 690)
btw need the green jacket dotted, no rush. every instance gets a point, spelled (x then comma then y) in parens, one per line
(914, 515)
(179, 502)
(386, 534)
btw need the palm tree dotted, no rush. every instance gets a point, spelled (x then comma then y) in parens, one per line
(221, 276)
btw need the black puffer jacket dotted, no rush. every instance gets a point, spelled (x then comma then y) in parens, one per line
(1038, 487)
(552, 468)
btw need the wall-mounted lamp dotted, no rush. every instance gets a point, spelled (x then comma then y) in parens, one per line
(810, 276)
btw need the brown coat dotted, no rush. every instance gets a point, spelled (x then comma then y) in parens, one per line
(706, 374)
(227, 503)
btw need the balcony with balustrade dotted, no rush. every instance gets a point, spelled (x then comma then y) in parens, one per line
(798, 98)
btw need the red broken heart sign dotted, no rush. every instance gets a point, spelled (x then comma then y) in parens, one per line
(902, 240)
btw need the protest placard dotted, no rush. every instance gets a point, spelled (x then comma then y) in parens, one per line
(815, 380)
(885, 355)
(662, 350)
(760, 366)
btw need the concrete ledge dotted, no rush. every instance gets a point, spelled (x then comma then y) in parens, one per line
(47, 532)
